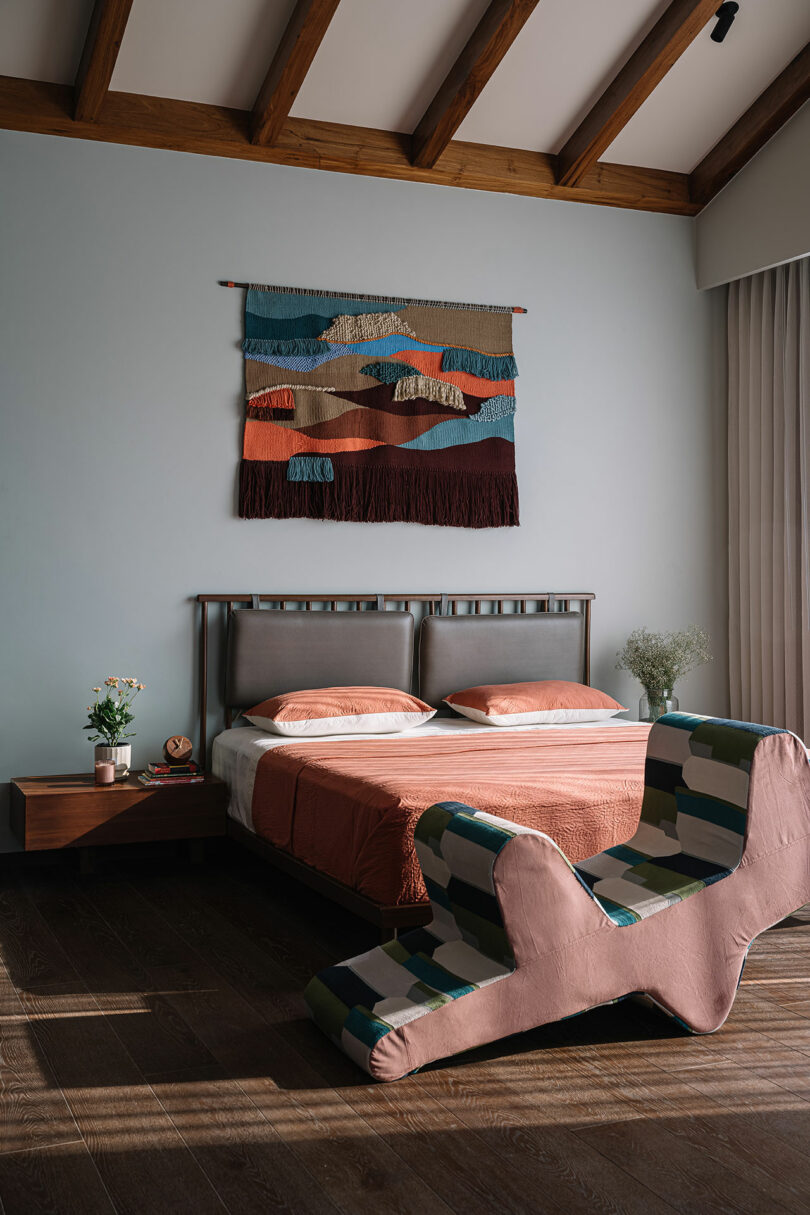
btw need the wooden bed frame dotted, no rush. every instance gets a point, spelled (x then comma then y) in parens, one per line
(389, 919)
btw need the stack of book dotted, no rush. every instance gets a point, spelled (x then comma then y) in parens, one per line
(163, 773)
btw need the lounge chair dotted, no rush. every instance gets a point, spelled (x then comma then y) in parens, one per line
(521, 937)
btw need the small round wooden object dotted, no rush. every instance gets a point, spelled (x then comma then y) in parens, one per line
(177, 749)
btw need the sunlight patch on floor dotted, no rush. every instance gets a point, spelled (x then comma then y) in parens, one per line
(774, 982)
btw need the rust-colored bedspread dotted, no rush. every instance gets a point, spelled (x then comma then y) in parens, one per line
(349, 808)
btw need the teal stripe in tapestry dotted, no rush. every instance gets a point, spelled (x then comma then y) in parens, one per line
(310, 325)
(459, 432)
(274, 303)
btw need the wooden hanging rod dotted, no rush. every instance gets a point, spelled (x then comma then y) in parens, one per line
(351, 295)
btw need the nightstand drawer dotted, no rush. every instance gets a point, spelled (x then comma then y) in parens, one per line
(74, 812)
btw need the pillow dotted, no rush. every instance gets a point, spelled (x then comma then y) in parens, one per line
(340, 711)
(549, 701)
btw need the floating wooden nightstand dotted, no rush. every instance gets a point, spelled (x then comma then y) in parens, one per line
(75, 812)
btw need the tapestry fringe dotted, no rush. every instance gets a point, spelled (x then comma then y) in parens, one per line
(425, 388)
(485, 366)
(310, 468)
(381, 495)
(284, 348)
(272, 398)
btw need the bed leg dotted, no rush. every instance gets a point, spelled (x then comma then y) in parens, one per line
(387, 933)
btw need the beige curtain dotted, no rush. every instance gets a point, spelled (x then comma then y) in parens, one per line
(769, 497)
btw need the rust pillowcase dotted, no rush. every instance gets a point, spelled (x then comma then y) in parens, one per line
(353, 710)
(544, 702)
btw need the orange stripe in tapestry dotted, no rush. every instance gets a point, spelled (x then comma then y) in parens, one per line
(267, 441)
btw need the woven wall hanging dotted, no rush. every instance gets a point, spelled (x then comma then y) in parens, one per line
(374, 410)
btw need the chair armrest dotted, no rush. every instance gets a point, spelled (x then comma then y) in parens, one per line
(500, 885)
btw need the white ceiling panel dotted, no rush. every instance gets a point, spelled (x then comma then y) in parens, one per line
(213, 51)
(711, 85)
(43, 39)
(562, 60)
(382, 61)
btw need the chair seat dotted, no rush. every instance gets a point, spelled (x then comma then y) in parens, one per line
(629, 884)
(693, 819)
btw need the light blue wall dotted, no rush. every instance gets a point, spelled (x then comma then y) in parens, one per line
(121, 387)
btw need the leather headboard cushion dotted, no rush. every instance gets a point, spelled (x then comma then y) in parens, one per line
(271, 651)
(457, 652)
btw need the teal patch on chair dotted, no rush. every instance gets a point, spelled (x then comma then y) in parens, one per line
(477, 831)
(367, 1028)
(711, 810)
(682, 721)
(437, 977)
(486, 366)
(310, 468)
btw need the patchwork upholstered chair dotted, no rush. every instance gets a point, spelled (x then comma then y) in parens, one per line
(520, 937)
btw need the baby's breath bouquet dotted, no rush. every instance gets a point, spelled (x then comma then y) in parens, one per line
(112, 713)
(658, 660)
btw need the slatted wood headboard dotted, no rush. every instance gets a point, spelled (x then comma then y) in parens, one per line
(477, 603)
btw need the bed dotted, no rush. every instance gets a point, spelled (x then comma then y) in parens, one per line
(338, 812)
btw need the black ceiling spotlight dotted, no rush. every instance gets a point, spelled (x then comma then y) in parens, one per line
(725, 17)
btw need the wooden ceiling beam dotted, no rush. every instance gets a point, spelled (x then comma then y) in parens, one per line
(304, 34)
(185, 126)
(632, 85)
(770, 111)
(101, 47)
(486, 47)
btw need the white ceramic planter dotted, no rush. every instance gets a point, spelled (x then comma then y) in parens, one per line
(121, 757)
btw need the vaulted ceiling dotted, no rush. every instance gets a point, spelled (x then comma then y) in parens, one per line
(624, 102)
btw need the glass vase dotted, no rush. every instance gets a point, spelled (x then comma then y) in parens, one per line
(655, 704)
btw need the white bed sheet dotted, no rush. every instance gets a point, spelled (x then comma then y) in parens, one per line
(237, 751)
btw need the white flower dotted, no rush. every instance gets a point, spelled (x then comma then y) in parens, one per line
(658, 660)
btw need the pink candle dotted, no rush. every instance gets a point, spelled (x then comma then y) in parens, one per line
(105, 772)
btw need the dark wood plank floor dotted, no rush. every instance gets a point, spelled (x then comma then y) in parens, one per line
(155, 1056)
